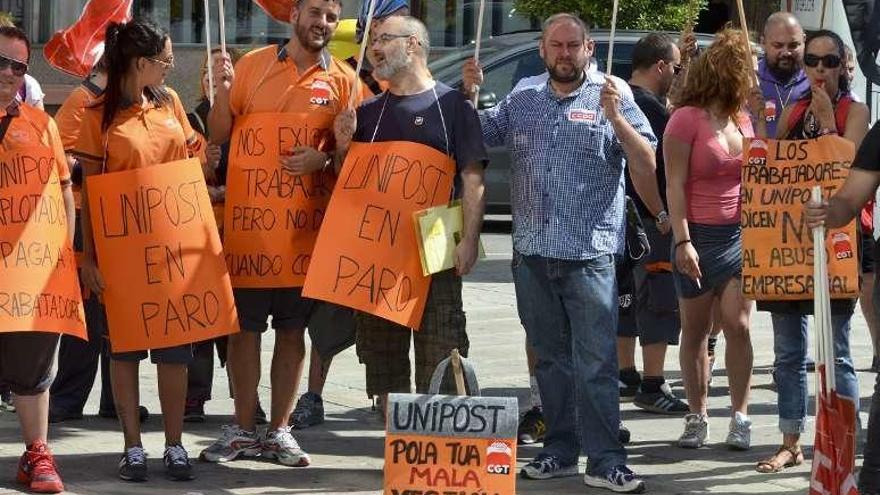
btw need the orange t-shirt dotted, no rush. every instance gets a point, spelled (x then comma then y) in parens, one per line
(140, 135)
(34, 127)
(69, 116)
(267, 80)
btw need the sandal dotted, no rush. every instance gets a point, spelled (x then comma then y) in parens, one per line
(773, 464)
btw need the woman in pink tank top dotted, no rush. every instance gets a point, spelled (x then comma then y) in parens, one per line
(703, 152)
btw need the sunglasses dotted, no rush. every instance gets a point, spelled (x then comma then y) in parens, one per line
(828, 61)
(676, 69)
(168, 64)
(18, 68)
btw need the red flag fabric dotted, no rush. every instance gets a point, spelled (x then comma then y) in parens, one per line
(834, 446)
(76, 49)
(278, 9)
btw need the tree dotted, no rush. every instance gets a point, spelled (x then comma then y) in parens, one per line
(651, 15)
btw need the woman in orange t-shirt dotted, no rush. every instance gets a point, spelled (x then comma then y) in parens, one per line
(138, 122)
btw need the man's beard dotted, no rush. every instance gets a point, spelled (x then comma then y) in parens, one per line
(395, 61)
(563, 77)
(302, 34)
(783, 73)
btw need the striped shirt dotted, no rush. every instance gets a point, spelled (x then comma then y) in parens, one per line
(567, 183)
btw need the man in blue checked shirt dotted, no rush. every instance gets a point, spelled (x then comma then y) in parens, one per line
(569, 136)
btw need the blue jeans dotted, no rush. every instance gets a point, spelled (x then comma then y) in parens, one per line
(569, 311)
(790, 347)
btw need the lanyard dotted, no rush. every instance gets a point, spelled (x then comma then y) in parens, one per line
(439, 109)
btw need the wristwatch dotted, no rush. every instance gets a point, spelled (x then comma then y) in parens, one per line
(662, 217)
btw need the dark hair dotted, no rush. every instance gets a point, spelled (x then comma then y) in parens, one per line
(17, 34)
(842, 81)
(125, 43)
(565, 17)
(650, 49)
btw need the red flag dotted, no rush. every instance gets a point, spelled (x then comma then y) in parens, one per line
(76, 49)
(278, 9)
(834, 455)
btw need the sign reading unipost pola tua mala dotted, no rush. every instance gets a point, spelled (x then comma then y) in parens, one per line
(438, 444)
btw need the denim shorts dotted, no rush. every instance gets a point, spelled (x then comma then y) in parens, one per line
(720, 250)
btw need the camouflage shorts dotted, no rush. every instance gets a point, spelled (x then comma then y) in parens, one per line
(383, 346)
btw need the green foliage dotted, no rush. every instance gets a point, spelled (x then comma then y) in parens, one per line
(652, 15)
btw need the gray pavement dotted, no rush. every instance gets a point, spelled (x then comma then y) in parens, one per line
(347, 450)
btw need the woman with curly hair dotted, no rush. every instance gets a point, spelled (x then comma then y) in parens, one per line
(703, 153)
(828, 108)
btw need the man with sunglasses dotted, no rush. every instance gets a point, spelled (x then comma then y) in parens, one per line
(653, 313)
(26, 357)
(780, 71)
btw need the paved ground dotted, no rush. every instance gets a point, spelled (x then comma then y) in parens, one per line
(347, 449)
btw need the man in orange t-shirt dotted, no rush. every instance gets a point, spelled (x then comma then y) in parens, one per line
(277, 79)
(26, 357)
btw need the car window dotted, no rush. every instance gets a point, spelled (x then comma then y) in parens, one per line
(622, 65)
(501, 77)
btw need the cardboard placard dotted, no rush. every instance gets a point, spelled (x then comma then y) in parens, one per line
(39, 288)
(450, 444)
(777, 178)
(272, 217)
(160, 255)
(438, 232)
(367, 255)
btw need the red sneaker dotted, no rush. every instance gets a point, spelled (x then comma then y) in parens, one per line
(37, 469)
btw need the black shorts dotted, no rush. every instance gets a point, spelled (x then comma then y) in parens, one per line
(287, 307)
(26, 360)
(867, 261)
(96, 317)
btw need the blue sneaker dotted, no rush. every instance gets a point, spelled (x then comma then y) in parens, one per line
(546, 466)
(619, 479)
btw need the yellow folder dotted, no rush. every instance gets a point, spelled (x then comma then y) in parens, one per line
(438, 230)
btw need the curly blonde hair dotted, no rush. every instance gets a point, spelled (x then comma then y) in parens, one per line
(720, 76)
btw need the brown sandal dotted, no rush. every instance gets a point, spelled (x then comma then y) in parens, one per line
(773, 464)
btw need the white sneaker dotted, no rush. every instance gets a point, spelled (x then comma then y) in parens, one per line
(281, 445)
(232, 443)
(740, 436)
(696, 431)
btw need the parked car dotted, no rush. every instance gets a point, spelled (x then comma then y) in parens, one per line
(508, 58)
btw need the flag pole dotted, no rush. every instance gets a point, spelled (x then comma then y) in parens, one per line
(479, 38)
(222, 27)
(745, 28)
(611, 37)
(822, 17)
(208, 63)
(356, 86)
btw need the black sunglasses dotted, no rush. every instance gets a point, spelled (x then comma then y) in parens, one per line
(18, 68)
(828, 61)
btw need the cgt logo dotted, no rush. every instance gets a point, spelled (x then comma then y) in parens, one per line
(321, 93)
(758, 152)
(499, 457)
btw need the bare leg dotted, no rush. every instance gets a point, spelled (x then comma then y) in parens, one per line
(243, 366)
(318, 369)
(654, 356)
(126, 395)
(736, 311)
(172, 397)
(626, 352)
(287, 366)
(33, 416)
(696, 319)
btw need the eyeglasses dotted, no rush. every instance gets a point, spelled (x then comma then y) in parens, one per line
(19, 68)
(386, 37)
(676, 69)
(168, 64)
(829, 61)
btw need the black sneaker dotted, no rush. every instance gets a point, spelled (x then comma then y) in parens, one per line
(531, 427)
(628, 383)
(133, 464)
(619, 479)
(194, 412)
(623, 434)
(546, 466)
(309, 411)
(177, 464)
(662, 401)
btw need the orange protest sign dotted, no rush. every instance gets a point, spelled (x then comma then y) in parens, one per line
(39, 288)
(272, 217)
(160, 256)
(777, 179)
(367, 256)
(437, 444)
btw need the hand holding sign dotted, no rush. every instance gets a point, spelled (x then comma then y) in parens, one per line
(471, 75)
(91, 276)
(466, 253)
(688, 46)
(821, 105)
(610, 99)
(344, 127)
(224, 73)
(815, 213)
(303, 160)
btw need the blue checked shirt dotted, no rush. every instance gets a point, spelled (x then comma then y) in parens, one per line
(567, 183)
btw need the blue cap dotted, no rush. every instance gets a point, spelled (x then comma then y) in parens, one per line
(383, 8)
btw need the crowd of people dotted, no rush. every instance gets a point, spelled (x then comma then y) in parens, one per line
(581, 142)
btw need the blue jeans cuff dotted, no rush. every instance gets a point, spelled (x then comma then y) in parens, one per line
(792, 426)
